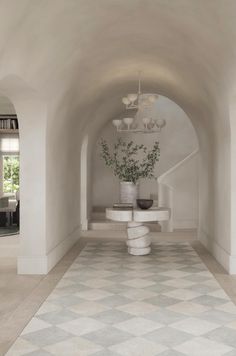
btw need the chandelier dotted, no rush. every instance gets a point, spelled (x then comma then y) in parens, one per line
(143, 120)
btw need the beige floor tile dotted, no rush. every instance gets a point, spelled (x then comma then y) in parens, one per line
(194, 326)
(203, 347)
(93, 294)
(35, 324)
(81, 326)
(138, 347)
(138, 308)
(138, 326)
(38, 288)
(183, 294)
(188, 308)
(21, 347)
(88, 308)
(138, 283)
(138, 294)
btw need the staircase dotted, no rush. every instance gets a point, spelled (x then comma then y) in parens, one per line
(166, 190)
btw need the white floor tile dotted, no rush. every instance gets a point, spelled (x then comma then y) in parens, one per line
(81, 326)
(138, 347)
(194, 326)
(203, 347)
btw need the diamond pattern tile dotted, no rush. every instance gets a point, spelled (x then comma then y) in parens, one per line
(108, 336)
(204, 347)
(138, 326)
(110, 303)
(138, 347)
(168, 336)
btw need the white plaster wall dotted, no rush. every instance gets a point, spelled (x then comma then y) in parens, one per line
(63, 184)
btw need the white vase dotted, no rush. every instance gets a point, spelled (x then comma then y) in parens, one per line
(129, 192)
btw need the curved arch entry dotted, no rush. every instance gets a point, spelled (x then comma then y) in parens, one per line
(31, 113)
(9, 176)
(178, 142)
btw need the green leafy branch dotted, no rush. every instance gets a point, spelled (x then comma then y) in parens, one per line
(124, 161)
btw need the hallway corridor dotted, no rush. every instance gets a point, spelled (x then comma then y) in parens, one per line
(110, 303)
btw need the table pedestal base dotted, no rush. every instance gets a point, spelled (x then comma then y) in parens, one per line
(139, 240)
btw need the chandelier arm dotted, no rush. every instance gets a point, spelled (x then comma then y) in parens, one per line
(140, 102)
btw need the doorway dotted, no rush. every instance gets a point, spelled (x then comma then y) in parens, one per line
(9, 170)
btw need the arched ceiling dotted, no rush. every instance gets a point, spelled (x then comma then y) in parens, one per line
(86, 52)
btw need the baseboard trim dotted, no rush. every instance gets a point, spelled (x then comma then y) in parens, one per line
(43, 264)
(223, 257)
(84, 225)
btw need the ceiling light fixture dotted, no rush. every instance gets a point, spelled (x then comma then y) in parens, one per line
(143, 122)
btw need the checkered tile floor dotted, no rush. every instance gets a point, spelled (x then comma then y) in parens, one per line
(110, 303)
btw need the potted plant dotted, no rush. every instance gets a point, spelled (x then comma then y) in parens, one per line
(130, 162)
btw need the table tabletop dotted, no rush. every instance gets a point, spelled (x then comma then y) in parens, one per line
(139, 215)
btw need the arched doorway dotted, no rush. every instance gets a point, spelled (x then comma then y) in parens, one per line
(31, 113)
(9, 169)
(179, 147)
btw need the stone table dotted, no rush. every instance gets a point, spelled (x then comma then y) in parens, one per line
(138, 238)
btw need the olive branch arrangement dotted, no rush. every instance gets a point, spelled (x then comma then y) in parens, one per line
(123, 159)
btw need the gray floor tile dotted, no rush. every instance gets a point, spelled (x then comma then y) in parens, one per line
(171, 353)
(105, 353)
(117, 288)
(38, 353)
(107, 332)
(168, 336)
(112, 316)
(224, 335)
(58, 317)
(208, 300)
(67, 301)
(165, 316)
(162, 301)
(47, 336)
(217, 316)
(202, 288)
(108, 336)
(189, 269)
(231, 353)
(115, 301)
(160, 288)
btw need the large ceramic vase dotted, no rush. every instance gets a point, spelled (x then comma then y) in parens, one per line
(129, 193)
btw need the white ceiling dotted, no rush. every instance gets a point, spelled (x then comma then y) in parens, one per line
(84, 52)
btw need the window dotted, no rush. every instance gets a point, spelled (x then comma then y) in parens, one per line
(9, 144)
(11, 166)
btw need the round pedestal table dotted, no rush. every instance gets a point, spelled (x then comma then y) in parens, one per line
(138, 238)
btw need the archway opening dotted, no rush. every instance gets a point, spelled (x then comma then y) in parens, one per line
(177, 169)
(9, 169)
(31, 113)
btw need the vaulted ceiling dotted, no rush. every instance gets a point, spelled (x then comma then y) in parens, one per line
(85, 52)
